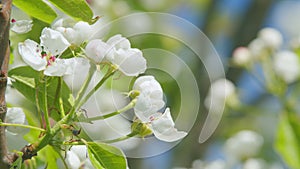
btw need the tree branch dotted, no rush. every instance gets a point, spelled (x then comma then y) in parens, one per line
(5, 9)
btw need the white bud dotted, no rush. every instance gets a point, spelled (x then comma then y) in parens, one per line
(241, 56)
(287, 66)
(271, 37)
(219, 93)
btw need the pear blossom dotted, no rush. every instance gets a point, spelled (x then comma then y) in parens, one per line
(129, 61)
(244, 144)
(255, 164)
(149, 102)
(21, 26)
(44, 57)
(241, 56)
(271, 37)
(221, 92)
(96, 50)
(163, 127)
(15, 115)
(287, 66)
(150, 99)
(76, 35)
(77, 158)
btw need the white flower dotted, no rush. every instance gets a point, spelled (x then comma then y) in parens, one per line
(271, 37)
(218, 164)
(244, 144)
(257, 47)
(130, 61)
(150, 99)
(241, 56)
(148, 104)
(77, 34)
(45, 56)
(163, 127)
(21, 26)
(16, 116)
(77, 158)
(221, 91)
(287, 66)
(77, 72)
(97, 50)
(255, 164)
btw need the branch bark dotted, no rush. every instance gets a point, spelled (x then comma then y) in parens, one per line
(5, 9)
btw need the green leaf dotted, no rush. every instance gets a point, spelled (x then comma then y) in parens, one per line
(18, 163)
(37, 9)
(287, 140)
(26, 81)
(78, 9)
(104, 156)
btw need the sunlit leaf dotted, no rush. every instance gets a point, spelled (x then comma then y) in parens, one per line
(104, 156)
(78, 9)
(37, 9)
(287, 141)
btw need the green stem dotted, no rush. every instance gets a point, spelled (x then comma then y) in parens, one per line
(108, 74)
(60, 101)
(46, 114)
(127, 107)
(38, 105)
(83, 142)
(83, 89)
(22, 125)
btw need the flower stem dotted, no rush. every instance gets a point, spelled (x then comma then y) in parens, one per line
(38, 105)
(83, 142)
(60, 101)
(46, 114)
(23, 126)
(108, 74)
(83, 89)
(127, 107)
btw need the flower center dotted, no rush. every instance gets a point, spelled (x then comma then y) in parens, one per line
(49, 57)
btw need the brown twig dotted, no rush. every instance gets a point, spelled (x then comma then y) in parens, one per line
(5, 8)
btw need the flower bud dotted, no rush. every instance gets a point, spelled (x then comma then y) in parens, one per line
(271, 37)
(141, 129)
(287, 66)
(241, 56)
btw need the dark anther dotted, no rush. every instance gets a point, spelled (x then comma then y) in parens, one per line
(76, 132)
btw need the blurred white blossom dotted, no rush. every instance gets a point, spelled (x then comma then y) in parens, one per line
(271, 37)
(287, 66)
(255, 164)
(241, 56)
(221, 92)
(244, 144)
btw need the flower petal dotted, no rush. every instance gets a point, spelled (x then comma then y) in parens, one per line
(57, 68)
(16, 116)
(21, 26)
(163, 128)
(54, 41)
(119, 42)
(83, 32)
(30, 52)
(131, 62)
(96, 50)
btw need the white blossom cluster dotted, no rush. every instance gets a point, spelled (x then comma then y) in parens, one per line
(117, 52)
(241, 151)
(267, 48)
